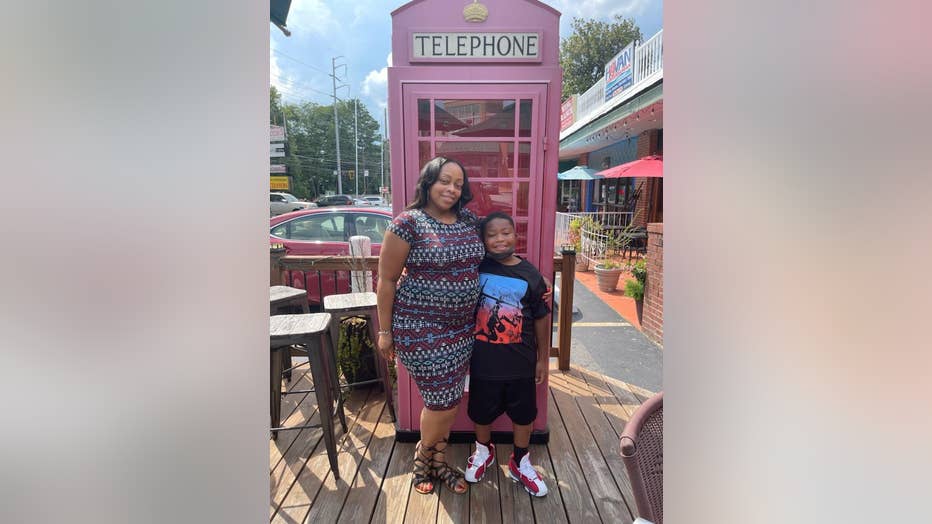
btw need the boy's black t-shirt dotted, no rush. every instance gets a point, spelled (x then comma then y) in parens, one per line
(509, 302)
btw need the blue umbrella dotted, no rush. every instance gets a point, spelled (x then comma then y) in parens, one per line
(578, 173)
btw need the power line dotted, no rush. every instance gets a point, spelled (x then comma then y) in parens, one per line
(291, 84)
(300, 62)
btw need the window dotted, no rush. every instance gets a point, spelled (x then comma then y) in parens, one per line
(325, 227)
(276, 198)
(372, 226)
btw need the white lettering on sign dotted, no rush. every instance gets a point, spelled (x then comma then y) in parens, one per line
(476, 45)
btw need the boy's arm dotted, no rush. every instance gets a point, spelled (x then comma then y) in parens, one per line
(542, 330)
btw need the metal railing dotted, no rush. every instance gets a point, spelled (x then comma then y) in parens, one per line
(592, 99)
(610, 220)
(648, 57)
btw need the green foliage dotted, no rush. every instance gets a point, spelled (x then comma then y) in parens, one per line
(639, 270)
(577, 225)
(608, 264)
(311, 152)
(634, 289)
(584, 53)
(354, 350)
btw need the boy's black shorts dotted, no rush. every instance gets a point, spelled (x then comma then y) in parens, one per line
(490, 398)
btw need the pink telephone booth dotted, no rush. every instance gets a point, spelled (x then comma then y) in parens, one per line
(479, 82)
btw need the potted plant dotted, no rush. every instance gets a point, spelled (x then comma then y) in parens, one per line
(606, 275)
(635, 288)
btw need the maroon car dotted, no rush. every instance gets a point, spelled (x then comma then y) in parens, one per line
(326, 231)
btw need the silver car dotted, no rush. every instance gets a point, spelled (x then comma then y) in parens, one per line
(285, 203)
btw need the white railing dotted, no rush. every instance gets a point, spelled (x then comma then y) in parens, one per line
(590, 242)
(648, 57)
(591, 99)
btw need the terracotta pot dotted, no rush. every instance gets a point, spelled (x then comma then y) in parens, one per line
(607, 279)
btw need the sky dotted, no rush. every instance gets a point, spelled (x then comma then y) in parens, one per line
(360, 32)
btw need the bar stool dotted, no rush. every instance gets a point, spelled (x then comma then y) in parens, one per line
(358, 305)
(310, 331)
(283, 300)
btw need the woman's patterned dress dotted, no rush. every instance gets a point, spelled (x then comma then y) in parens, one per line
(435, 303)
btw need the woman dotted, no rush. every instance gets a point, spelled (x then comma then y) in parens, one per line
(427, 315)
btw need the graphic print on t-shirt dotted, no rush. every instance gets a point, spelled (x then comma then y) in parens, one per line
(499, 319)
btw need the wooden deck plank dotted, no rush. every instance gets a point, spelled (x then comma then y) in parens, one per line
(333, 492)
(364, 493)
(516, 503)
(607, 441)
(581, 465)
(299, 498)
(574, 490)
(605, 494)
(454, 507)
(300, 410)
(392, 503)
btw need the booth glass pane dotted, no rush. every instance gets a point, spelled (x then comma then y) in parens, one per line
(524, 160)
(474, 118)
(491, 196)
(423, 153)
(521, 232)
(524, 113)
(524, 190)
(481, 159)
(423, 117)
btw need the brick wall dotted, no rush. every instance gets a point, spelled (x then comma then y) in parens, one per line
(652, 318)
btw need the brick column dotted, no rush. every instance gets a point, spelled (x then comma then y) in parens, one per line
(652, 318)
(646, 146)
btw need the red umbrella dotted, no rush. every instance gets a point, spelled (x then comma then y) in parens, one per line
(649, 166)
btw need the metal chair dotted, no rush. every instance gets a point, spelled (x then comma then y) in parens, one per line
(310, 331)
(642, 453)
(361, 304)
(284, 300)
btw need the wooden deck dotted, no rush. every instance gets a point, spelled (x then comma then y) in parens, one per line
(581, 464)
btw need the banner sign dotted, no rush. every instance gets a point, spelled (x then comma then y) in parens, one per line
(280, 183)
(276, 133)
(278, 168)
(619, 72)
(568, 112)
(466, 46)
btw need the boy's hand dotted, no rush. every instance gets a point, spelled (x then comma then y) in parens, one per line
(548, 293)
(543, 367)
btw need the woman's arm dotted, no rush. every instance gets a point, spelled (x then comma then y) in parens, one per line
(392, 260)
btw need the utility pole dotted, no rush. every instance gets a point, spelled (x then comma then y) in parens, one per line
(356, 142)
(382, 154)
(336, 121)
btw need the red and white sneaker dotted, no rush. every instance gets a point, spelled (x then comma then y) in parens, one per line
(527, 475)
(478, 463)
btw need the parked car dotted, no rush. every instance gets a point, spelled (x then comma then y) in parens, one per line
(285, 203)
(335, 200)
(374, 200)
(326, 231)
(361, 202)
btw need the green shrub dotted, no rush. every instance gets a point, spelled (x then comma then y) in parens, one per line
(634, 289)
(639, 270)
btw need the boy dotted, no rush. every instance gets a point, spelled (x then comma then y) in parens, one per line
(510, 353)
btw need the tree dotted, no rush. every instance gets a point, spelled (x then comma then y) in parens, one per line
(584, 53)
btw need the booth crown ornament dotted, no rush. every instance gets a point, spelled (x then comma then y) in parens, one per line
(475, 12)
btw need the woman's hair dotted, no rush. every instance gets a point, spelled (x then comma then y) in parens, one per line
(492, 216)
(429, 175)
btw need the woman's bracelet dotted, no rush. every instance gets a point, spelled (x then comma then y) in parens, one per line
(388, 332)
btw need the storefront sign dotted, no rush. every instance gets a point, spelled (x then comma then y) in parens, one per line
(276, 133)
(276, 150)
(278, 168)
(471, 46)
(280, 183)
(619, 72)
(568, 112)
